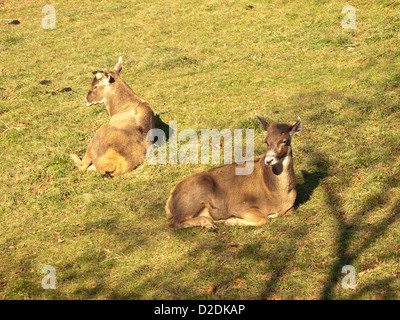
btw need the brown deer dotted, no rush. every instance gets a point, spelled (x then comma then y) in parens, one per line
(120, 145)
(220, 195)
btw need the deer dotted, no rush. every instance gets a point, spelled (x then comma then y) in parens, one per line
(219, 195)
(120, 145)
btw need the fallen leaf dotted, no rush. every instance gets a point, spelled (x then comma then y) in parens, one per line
(19, 271)
(359, 36)
(239, 280)
(3, 284)
(232, 245)
(362, 273)
(267, 275)
(60, 239)
(274, 297)
(210, 289)
(332, 242)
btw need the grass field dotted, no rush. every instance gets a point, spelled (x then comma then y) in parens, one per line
(205, 64)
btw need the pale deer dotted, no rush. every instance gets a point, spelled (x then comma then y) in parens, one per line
(220, 195)
(120, 145)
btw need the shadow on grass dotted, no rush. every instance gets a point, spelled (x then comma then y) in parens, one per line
(160, 124)
(312, 178)
(228, 271)
(389, 291)
(347, 228)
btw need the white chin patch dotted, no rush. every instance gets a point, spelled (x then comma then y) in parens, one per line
(92, 103)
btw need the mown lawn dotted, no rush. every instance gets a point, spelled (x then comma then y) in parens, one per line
(205, 64)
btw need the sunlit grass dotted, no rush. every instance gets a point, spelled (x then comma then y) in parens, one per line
(205, 65)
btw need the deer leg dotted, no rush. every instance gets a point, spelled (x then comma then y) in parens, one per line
(200, 221)
(290, 211)
(91, 168)
(81, 164)
(249, 217)
(203, 219)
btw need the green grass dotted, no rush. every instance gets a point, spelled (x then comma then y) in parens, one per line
(204, 64)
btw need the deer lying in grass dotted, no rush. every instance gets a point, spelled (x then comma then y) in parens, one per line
(120, 145)
(219, 195)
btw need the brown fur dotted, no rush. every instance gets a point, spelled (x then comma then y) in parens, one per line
(118, 146)
(219, 195)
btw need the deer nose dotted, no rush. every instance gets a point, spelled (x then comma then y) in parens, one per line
(268, 160)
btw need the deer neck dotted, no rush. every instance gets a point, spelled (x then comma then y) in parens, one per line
(280, 177)
(119, 98)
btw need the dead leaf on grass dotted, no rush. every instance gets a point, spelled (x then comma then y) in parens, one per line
(232, 245)
(210, 289)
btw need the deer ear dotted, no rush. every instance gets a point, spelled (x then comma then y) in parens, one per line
(296, 128)
(108, 80)
(108, 77)
(118, 66)
(263, 122)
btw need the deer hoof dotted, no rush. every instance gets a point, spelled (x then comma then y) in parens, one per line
(209, 225)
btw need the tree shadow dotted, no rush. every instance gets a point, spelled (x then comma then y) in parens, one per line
(348, 227)
(389, 291)
(311, 179)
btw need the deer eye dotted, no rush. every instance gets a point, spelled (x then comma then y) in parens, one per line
(284, 142)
